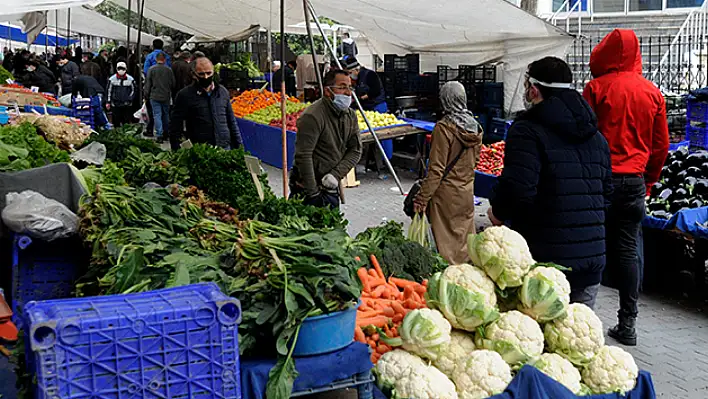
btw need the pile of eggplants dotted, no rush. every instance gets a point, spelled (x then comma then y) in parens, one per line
(683, 184)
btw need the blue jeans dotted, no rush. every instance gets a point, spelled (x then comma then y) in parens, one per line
(586, 295)
(161, 114)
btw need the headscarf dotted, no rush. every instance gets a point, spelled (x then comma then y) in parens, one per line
(454, 104)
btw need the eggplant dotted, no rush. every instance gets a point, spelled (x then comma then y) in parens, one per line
(656, 206)
(665, 170)
(681, 153)
(679, 194)
(675, 168)
(656, 188)
(694, 171)
(665, 194)
(690, 181)
(696, 203)
(697, 158)
(661, 215)
(681, 176)
(677, 205)
(700, 188)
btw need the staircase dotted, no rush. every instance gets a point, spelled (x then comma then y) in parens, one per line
(665, 25)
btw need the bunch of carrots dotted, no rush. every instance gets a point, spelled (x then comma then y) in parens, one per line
(384, 304)
(251, 101)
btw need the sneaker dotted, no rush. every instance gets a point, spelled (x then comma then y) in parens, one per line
(623, 334)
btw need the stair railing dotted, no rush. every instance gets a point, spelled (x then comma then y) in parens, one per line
(567, 10)
(690, 39)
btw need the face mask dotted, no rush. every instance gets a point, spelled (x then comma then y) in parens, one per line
(342, 101)
(121, 72)
(206, 82)
(527, 103)
(30, 69)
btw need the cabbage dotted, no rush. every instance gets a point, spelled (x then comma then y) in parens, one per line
(545, 294)
(424, 332)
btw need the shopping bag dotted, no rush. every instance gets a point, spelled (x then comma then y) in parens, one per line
(142, 114)
(418, 230)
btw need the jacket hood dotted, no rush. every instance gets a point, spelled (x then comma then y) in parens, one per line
(618, 52)
(566, 113)
(468, 138)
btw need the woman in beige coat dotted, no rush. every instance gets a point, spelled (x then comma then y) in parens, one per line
(449, 202)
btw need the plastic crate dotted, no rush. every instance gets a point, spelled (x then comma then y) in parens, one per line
(406, 63)
(493, 95)
(44, 270)
(497, 131)
(422, 84)
(172, 343)
(478, 73)
(697, 136)
(447, 74)
(363, 382)
(50, 110)
(696, 112)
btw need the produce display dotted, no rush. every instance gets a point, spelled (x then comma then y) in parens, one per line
(5, 75)
(22, 148)
(51, 100)
(243, 64)
(64, 131)
(251, 101)
(683, 184)
(377, 120)
(272, 114)
(491, 158)
(481, 362)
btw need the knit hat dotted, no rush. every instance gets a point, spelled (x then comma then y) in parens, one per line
(121, 65)
(349, 62)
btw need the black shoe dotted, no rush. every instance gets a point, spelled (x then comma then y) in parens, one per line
(623, 334)
(148, 134)
(160, 140)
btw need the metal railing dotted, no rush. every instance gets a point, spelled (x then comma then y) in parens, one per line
(566, 12)
(687, 49)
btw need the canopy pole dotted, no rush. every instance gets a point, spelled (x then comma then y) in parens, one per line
(283, 97)
(137, 46)
(68, 27)
(318, 73)
(356, 99)
(130, 11)
(56, 32)
(269, 46)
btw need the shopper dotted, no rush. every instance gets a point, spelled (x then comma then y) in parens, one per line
(121, 92)
(327, 145)
(204, 107)
(290, 83)
(632, 116)
(159, 85)
(39, 75)
(447, 193)
(151, 59)
(270, 76)
(182, 71)
(348, 46)
(68, 72)
(104, 64)
(556, 180)
(90, 68)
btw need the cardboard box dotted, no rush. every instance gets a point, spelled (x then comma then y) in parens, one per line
(11, 96)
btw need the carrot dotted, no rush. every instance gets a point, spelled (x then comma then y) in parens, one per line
(375, 357)
(373, 273)
(378, 291)
(364, 308)
(382, 349)
(376, 337)
(397, 308)
(420, 289)
(356, 258)
(359, 335)
(410, 303)
(371, 342)
(397, 317)
(376, 282)
(401, 283)
(388, 311)
(425, 283)
(416, 297)
(375, 262)
(387, 330)
(371, 313)
(364, 277)
(408, 292)
(378, 321)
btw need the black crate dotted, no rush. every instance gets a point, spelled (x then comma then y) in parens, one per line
(421, 84)
(493, 95)
(478, 73)
(406, 63)
(447, 74)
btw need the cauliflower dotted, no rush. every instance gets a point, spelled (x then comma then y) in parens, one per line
(515, 336)
(483, 374)
(464, 294)
(545, 294)
(611, 370)
(577, 336)
(423, 332)
(560, 369)
(502, 253)
(455, 352)
(408, 376)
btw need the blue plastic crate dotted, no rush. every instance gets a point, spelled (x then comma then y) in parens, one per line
(363, 382)
(44, 270)
(696, 111)
(50, 110)
(697, 136)
(173, 343)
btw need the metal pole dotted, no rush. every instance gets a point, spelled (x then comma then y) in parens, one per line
(56, 31)
(68, 26)
(130, 11)
(312, 48)
(283, 97)
(46, 36)
(137, 49)
(356, 99)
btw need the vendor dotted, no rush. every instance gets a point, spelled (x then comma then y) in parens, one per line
(40, 76)
(327, 145)
(204, 107)
(370, 92)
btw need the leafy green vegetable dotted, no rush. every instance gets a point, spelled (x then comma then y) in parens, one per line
(109, 174)
(5, 75)
(22, 148)
(162, 169)
(118, 141)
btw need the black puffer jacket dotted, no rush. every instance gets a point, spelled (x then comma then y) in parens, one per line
(556, 184)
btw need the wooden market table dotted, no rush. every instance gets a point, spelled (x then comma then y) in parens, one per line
(393, 132)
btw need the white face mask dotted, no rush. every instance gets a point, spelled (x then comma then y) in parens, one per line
(121, 72)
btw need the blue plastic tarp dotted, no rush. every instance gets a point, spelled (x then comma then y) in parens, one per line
(689, 221)
(422, 125)
(530, 383)
(675, 146)
(15, 34)
(314, 371)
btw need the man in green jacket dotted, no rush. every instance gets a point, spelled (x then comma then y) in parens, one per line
(327, 145)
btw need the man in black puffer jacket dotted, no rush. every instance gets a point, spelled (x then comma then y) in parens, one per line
(556, 181)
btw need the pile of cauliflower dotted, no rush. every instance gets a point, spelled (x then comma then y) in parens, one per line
(463, 347)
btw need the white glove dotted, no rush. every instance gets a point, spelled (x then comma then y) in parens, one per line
(330, 182)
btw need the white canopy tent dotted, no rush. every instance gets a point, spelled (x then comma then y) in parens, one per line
(449, 32)
(89, 22)
(20, 7)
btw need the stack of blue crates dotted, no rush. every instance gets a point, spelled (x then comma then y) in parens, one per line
(84, 109)
(4, 117)
(697, 122)
(172, 343)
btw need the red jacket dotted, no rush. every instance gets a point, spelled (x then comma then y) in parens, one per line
(630, 110)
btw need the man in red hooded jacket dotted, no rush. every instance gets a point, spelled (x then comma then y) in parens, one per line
(631, 115)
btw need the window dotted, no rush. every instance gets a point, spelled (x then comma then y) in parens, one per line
(644, 5)
(683, 3)
(609, 5)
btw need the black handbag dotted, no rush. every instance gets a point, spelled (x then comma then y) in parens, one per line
(415, 189)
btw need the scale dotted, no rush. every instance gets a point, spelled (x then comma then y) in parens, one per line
(406, 104)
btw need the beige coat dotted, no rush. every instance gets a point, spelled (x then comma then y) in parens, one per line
(451, 201)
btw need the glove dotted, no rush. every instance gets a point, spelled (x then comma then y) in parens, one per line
(330, 182)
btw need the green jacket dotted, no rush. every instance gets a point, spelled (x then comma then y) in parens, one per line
(327, 142)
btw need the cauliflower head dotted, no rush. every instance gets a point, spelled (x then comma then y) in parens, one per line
(408, 376)
(502, 253)
(560, 369)
(455, 352)
(545, 294)
(423, 332)
(611, 370)
(464, 294)
(482, 375)
(577, 336)
(515, 336)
